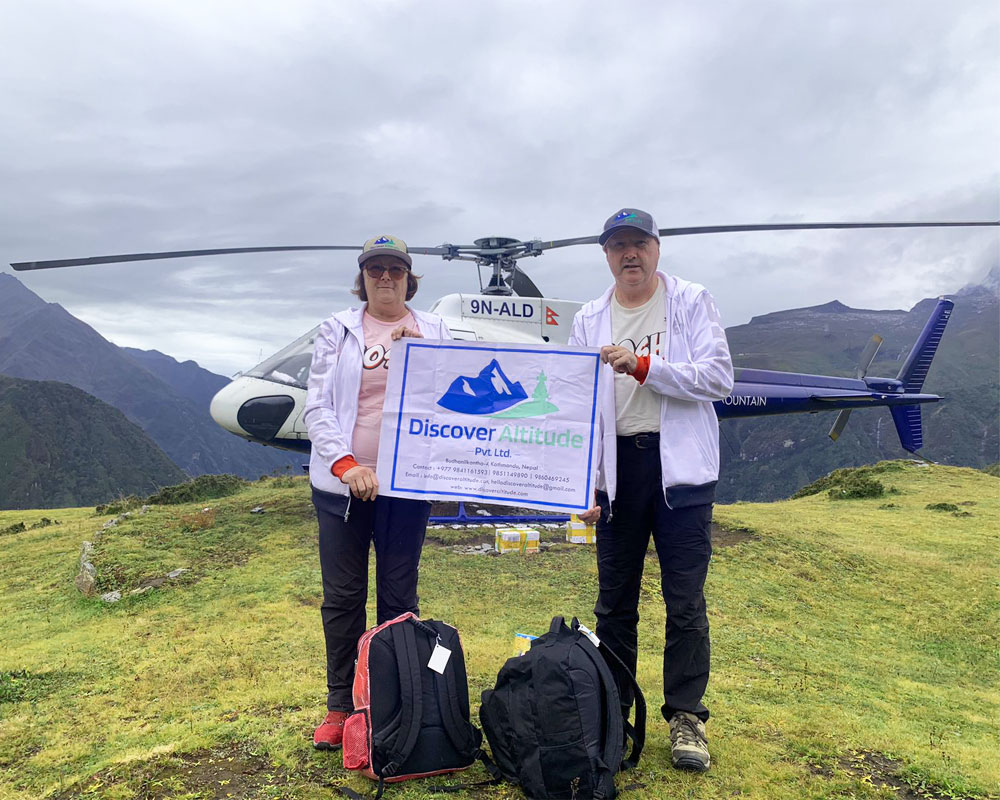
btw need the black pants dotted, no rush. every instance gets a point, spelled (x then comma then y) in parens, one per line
(397, 528)
(684, 548)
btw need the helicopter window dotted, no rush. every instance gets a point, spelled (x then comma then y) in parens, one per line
(293, 370)
(290, 365)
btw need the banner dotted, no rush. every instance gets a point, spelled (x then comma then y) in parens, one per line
(511, 424)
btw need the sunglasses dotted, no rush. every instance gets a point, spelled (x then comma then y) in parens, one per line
(375, 271)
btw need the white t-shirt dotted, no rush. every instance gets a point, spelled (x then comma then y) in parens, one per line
(644, 331)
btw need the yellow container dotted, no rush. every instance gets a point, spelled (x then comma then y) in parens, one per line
(578, 532)
(522, 641)
(516, 540)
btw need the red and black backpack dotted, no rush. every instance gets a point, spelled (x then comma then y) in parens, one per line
(409, 720)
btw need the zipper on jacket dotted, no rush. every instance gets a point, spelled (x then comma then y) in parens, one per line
(347, 511)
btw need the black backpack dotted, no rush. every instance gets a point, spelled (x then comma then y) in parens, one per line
(409, 720)
(554, 721)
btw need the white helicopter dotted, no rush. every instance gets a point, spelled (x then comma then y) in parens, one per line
(266, 404)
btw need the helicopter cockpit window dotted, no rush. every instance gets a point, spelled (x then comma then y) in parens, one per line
(290, 365)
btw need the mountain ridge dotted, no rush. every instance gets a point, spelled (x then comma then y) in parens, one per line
(43, 341)
(763, 458)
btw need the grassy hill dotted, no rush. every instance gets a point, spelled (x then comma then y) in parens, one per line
(854, 647)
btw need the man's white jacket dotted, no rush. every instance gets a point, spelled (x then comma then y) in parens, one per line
(696, 371)
(334, 384)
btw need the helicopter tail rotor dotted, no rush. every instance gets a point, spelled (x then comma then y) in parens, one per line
(867, 357)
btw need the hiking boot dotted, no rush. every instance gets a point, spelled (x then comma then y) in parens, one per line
(330, 735)
(688, 742)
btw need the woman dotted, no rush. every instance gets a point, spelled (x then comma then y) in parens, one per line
(344, 417)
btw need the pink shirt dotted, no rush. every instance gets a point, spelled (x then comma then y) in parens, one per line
(375, 363)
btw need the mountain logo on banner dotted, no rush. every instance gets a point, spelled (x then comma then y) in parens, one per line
(492, 393)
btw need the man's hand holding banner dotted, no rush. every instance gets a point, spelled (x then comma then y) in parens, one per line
(498, 423)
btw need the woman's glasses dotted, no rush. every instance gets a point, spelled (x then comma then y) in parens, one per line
(375, 271)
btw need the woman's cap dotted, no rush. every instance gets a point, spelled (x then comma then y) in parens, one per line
(385, 245)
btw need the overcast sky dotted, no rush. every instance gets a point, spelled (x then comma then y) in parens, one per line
(155, 125)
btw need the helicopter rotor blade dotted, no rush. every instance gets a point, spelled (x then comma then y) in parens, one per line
(839, 424)
(776, 226)
(522, 285)
(566, 242)
(458, 251)
(218, 251)
(868, 356)
(817, 226)
(435, 251)
(223, 251)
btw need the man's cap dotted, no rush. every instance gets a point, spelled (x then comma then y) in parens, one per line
(630, 218)
(385, 245)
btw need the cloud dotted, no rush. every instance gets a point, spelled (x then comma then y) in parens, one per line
(186, 125)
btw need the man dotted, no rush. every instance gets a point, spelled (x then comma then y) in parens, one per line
(668, 360)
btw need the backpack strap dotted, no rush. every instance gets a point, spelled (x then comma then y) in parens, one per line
(636, 733)
(495, 779)
(607, 680)
(465, 736)
(400, 742)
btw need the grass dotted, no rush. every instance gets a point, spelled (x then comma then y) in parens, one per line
(854, 648)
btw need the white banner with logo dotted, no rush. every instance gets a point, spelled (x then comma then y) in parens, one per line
(512, 424)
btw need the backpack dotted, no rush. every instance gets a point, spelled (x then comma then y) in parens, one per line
(554, 721)
(410, 720)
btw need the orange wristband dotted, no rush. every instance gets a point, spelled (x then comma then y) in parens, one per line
(641, 369)
(340, 466)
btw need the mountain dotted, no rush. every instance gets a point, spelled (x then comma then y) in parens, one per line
(59, 447)
(762, 458)
(769, 458)
(186, 378)
(489, 391)
(42, 341)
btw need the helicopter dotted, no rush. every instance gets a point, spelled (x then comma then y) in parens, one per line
(266, 403)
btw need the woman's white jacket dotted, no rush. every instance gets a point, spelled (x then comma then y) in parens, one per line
(334, 385)
(696, 371)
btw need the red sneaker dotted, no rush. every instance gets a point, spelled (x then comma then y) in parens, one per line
(330, 735)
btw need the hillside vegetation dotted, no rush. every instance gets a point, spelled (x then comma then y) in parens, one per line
(61, 446)
(854, 646)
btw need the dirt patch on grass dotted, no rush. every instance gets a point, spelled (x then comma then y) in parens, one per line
(727, 537)
(879, 770)
(447, 537)
(237, 770)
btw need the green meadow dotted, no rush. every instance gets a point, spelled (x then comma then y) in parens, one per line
(855, 646)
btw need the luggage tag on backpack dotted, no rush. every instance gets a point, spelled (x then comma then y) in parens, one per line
(589, 634)
(439, 657)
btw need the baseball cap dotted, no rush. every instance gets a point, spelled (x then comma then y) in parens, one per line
(385, 245)
(630, 218)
